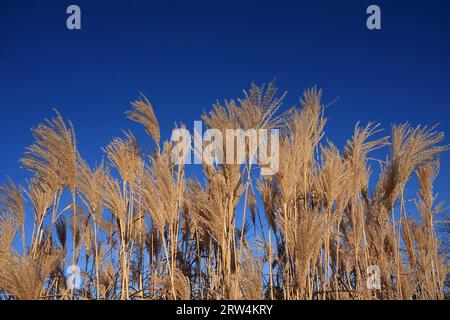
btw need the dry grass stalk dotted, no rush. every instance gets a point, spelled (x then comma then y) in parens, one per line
(145, 231)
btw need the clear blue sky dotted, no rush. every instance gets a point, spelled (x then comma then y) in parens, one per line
(186, 54)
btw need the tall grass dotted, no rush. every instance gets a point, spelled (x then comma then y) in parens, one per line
(142, 229)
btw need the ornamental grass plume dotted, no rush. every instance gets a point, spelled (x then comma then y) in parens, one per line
(143, 227)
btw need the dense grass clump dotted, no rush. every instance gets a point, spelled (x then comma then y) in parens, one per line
(139, 228)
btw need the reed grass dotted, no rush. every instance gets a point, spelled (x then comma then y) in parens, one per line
(142, 229)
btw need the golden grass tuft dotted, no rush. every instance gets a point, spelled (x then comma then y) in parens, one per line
(143, 228)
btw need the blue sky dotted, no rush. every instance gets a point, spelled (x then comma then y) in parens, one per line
(184, 55)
